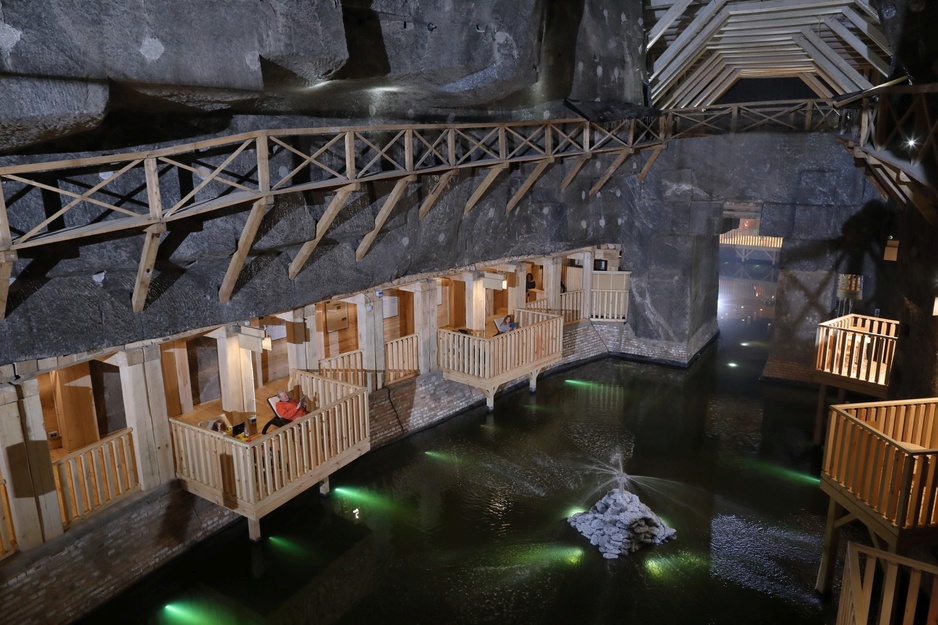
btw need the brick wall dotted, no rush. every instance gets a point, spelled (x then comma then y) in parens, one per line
(95, 560)
(99, 558)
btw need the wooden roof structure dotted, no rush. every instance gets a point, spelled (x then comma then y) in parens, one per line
(699, 49)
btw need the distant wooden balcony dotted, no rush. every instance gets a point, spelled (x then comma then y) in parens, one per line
(487, 363)
(96, 476)
(897, 590)
(256, 476)
(855, 352)
(401, 358)
(752, 246)
(571, 306)
(879, 467)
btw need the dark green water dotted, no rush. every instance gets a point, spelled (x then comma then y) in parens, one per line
(464, 523)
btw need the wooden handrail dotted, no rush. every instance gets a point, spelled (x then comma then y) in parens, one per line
(103, 441)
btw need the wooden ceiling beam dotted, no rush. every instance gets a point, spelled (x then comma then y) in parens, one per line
(683, 90)
(716, 88)
(829, 69)
(868, 29)
(664, 22)
(816, 85)
(854, 42)
(838, 61)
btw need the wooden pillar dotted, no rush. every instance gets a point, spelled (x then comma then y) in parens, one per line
(425, 322)
(26, 466)
(825, 575)
(315, 338)
(552, 273)
(516, 290)
(236, 370)
(144, 396)
(587, 259)
(180, 358)
(475, 299)
(371, 336)
(295, 322)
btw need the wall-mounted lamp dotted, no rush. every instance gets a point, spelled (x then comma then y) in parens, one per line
(892, 250)
(934, 309)
(267, 343)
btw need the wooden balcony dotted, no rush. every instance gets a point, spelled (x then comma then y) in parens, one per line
(885, 588)
(752, 246)
(879, 467)
(609, 305)
(401, 358)
(253, 477)
(571, 306)
(855, 353)
(95, 476)
(487, 363)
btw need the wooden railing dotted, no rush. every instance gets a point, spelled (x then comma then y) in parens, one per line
(880, 587)
(256, 476)
(538, 340)
(348, 367)
(609, 305)
(857, 347)
(402, 358)
(96, 475)
(571, 306)
(885, 455)
(7, 535)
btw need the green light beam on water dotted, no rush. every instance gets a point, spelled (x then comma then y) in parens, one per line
(368, 500)
(785, 472)
(680, 563)
(288, 546)
(185, 614)
(573, 510)
(546, 555)
(439, 455)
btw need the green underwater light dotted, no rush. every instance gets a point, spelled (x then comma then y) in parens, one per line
(188, 615)
(442, 457)
(573, 510)
(787, 473)
(583, 383)
(366, 499)
(288, 546)
(666, 566)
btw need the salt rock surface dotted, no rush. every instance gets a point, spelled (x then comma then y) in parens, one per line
(620, 523)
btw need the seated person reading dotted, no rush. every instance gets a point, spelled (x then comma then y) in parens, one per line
(287, 409)
(507, 324)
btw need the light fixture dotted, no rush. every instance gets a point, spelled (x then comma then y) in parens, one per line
(911, 142)
(934, 310)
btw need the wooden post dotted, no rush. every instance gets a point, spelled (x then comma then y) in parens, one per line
(142, 388)
(820, 416)
(236, 373)
(371, 336)
(183, 377)
(425, 322)
(516, 291)
(475, 299)
(296, 339)
(553, 267)
(825, 575)
(14, 467)
(587, 258)
(40, 461)
(315, 339)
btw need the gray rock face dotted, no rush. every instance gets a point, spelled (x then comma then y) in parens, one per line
(620, 524)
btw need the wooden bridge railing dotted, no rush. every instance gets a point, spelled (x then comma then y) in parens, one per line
(751, 240)
(538, 339)
(97, 475)
(7, 535)
(610, 305)
(402, 358)
(857, 347)
(255, 477)
(873, 590)
(885, 455)
(348, 367)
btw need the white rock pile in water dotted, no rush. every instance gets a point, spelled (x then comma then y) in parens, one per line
(620, 523)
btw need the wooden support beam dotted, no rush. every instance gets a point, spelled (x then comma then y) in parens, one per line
(337, 203)
(675, 11)
(651, 161)
(524, 188)
(854, 42)
(245, 241)
(7, 256)
(151, 245)
(393, 198)
(494, 171)
(436, 193)
(838, 61)
(623, 155)
(577, 166)
(869, 30)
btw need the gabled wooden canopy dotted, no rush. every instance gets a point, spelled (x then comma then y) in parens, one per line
(701, 48)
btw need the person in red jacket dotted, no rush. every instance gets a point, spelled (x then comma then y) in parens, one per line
(287, 410)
